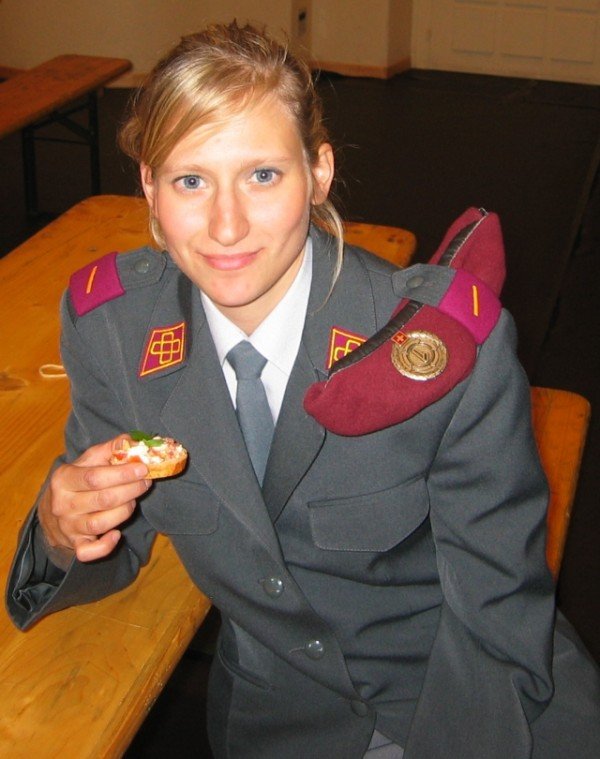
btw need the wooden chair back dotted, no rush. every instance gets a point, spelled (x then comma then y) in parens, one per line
(392, 243)
(560, 423)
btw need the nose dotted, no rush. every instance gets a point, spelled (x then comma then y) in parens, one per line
(228, 223)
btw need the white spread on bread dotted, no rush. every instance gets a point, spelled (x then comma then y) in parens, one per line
(154, 454)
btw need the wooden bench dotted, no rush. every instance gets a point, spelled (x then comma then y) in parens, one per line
(52, 93)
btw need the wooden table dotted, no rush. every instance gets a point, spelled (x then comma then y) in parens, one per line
(49, 93)
(80, 682)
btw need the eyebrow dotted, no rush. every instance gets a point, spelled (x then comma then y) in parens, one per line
(194, 168)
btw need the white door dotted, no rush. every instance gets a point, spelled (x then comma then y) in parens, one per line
(541, 39)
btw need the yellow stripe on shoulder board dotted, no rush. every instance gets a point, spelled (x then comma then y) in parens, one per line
(475, 293)
(90, 282)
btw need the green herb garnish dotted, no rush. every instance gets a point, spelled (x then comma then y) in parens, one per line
(144, 437)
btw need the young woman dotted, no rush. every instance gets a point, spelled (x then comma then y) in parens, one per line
(383, 588)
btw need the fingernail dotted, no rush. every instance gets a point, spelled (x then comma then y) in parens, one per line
(141, 470)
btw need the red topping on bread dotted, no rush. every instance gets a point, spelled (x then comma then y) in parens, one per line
(163, 456)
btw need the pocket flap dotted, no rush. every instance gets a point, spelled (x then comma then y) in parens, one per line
(370, 522)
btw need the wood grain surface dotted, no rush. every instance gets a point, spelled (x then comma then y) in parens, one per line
(30, 95)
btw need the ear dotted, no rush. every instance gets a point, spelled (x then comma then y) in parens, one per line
(322, 172)
(147, 180)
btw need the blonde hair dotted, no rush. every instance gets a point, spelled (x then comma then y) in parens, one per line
(209, 77)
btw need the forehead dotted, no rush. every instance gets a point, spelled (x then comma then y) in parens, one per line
(266, 126)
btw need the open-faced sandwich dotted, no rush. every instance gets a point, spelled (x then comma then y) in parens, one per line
(163, 456)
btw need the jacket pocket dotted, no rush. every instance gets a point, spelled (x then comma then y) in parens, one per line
(371, 522)
(181, 507)
(232, 646)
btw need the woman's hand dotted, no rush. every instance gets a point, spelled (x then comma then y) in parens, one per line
(86, 501)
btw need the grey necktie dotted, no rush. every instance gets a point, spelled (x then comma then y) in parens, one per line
(252, 407)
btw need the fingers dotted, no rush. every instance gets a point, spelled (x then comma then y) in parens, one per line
(94, 523)
(88, 514)
(87, 500)
(97, 488)
(97, 548)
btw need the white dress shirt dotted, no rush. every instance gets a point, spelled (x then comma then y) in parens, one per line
(277, 337)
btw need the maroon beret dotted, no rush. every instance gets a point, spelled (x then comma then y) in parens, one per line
(449, 307)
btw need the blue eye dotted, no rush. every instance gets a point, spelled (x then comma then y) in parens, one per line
(191, 182)
(265, 176)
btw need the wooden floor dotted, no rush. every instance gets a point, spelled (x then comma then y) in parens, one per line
(415, 151)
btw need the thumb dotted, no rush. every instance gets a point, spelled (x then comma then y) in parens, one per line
(99, 454)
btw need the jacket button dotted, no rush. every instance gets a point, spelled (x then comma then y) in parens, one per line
(359, 708)
(314, 649)
(415, 282)
(142, 266)
(273, 586)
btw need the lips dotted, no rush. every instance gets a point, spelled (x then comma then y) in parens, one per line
(231, 261)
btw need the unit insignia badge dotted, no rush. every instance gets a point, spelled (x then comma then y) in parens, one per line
(342, 342)
(165, 348)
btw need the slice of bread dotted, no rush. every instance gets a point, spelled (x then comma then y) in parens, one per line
(163, 456)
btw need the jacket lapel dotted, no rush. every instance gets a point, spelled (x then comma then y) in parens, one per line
(298, 437)
(199, 412)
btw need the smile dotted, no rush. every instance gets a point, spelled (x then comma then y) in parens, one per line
(230, 262)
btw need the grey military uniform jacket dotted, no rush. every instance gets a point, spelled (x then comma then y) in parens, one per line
(396, 578)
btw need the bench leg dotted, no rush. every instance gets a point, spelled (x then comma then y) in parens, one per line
(88, 135)
(29, 171)
(94, 143)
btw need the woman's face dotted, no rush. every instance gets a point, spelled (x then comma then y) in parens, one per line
(233, 205)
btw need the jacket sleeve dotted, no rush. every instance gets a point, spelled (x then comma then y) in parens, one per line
(489, 673)
(36, 587)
